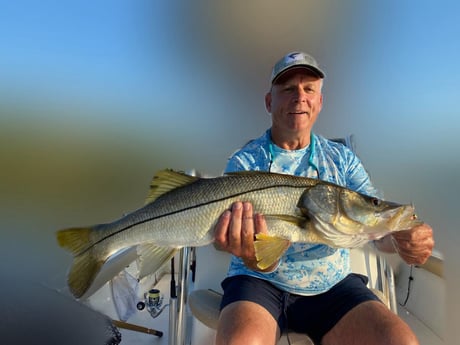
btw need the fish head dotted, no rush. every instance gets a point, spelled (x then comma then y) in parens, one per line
(350, 212)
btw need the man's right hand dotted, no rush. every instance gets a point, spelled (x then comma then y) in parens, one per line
(235, 232)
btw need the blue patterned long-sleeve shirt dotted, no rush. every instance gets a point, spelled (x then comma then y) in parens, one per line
(305, 269)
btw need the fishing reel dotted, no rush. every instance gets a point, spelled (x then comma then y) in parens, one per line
(153, 301)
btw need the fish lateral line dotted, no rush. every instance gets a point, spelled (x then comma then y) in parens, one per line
(150, 219)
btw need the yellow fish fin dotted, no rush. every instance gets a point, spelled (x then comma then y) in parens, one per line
(85, 265)
(269, 249)
(83, 272)
(151, 258)
(76, 240)
(167, 180)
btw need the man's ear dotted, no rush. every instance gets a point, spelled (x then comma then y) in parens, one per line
(268, 102)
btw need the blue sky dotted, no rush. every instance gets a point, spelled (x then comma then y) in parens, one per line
(192, 76)
(130, 54)
(197, 72)
(88, 50)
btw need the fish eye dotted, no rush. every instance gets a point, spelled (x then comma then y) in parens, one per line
(376, 202)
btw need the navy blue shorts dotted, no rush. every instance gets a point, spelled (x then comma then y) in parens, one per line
(312, 315)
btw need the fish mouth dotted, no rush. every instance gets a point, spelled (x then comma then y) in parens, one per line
(403, 218)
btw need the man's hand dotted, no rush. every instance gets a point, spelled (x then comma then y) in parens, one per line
(235, 231)
(414, 246)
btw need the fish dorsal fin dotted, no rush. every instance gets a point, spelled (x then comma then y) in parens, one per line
(167, 180)
(269, 249)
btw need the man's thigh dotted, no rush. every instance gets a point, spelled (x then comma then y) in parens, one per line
(370, 322)
(258, 291)
(317, 315)
(251, 309)
(246, 323)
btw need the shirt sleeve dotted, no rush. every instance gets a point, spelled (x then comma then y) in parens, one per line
(358, 178)
(234, 164)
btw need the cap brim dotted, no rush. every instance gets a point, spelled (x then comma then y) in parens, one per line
(313, 70)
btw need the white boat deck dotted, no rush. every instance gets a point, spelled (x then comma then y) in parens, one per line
(425, 335)
(423, 311)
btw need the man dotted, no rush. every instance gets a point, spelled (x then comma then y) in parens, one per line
(311, 289)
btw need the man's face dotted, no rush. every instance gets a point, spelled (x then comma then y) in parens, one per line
(295, 102)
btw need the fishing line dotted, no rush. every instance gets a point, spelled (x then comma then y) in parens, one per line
(409, 285)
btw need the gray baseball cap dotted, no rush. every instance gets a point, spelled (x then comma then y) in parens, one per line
(295, 60)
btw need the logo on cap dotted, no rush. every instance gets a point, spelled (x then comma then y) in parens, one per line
(294, 55)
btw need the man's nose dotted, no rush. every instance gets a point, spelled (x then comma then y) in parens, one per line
(300, 95)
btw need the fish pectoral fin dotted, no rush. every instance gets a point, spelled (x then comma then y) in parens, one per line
(301, 222)
(151, 258)
(269, 249)
(167, 180)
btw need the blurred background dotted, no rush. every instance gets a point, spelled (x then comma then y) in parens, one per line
(95, 96)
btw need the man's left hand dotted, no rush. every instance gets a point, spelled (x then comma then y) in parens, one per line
(414, 245)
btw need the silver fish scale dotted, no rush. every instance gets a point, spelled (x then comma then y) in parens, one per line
(186, 215)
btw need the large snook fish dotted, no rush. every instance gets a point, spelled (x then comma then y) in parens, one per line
(182, 210)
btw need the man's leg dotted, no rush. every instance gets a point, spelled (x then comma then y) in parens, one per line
(246, 323)
(370, 323)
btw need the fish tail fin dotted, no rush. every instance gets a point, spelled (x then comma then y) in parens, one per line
(86, 264)
(84, 269)
(269, 249)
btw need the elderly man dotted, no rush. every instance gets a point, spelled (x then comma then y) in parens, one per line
(311, 289)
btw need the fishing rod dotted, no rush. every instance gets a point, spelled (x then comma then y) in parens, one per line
(172, 307)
